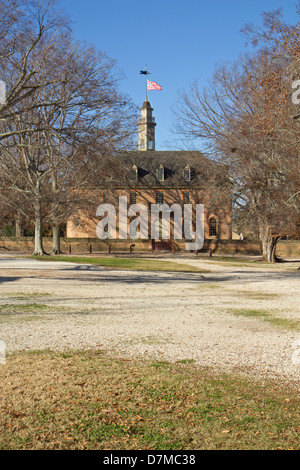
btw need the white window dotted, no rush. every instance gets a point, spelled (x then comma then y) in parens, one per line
(134, 173)
(213, 231)
(160, 173)
(186, 197)
(160, 197)
(133, 197)
(187, 173)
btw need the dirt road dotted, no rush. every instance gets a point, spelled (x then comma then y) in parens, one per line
(235, 318)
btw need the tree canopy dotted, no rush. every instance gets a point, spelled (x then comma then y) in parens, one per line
(245, 118)
(64, 117)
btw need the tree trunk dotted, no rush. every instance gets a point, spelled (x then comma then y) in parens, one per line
(56, 240)
(264, 243)
(55, 226)
(271, 249)
(38, 238)
(19, 225)
(268, 243)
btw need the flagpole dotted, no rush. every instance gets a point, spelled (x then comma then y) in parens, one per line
(145, 72)
(146, 83)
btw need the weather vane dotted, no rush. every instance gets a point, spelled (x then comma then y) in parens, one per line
(149, 84)
(145, 72)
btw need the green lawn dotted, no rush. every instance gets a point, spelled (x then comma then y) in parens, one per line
(268, 316)
(134, 264)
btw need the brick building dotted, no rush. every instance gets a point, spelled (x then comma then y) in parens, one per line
(159, 178)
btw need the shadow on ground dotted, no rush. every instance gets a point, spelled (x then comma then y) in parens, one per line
(8, 279)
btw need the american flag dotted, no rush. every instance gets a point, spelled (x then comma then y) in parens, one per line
(153, 85)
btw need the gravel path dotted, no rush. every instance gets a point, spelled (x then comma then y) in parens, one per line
(166, 316)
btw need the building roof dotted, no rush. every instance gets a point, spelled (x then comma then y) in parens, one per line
(147, 104)
(173, 163)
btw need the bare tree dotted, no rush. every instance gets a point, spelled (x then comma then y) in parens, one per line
(57, 139)
(94, 120)
(244, 118)
(28, 31)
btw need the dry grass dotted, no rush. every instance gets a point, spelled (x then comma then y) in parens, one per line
(25, 312)
(88, 400)
(268, 316)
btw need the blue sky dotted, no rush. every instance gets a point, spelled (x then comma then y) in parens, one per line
(179, 41)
